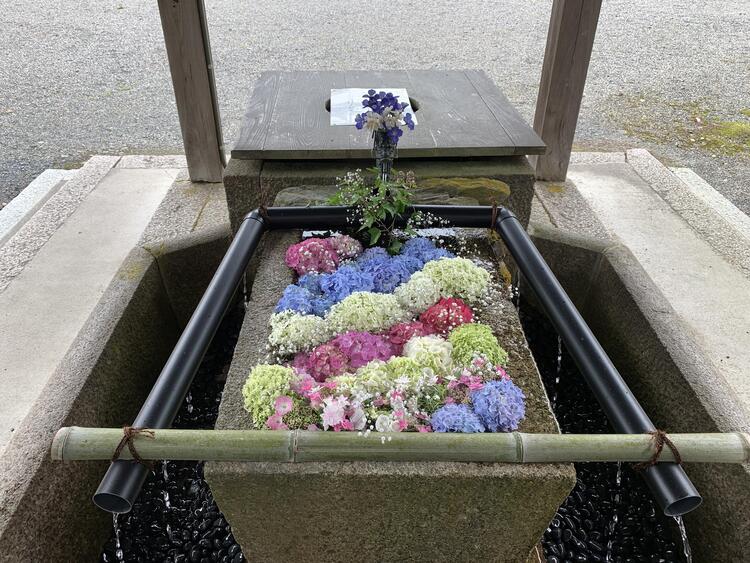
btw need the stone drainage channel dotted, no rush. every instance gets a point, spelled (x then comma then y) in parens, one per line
(610, 516)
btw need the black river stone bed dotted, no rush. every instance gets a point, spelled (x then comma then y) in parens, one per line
(610, 515)
(175, 519)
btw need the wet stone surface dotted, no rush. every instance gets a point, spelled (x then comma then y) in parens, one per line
(610, 515)
(175, 519)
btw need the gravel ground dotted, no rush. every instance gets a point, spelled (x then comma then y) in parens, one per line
(84, 76)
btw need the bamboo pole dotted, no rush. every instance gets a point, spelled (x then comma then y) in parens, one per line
(297, 446)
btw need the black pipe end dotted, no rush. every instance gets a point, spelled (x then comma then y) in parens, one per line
(112, 503)
(683, 505)
(504, 213)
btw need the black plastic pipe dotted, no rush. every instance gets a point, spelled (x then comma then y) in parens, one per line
(671, 487)
(123, 481)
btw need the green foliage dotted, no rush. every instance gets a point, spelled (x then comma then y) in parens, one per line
(377, 204)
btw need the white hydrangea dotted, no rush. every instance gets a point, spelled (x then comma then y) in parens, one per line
(365, 311)
(418, 294)
(458, 277)
(430, 352)
(292, 332)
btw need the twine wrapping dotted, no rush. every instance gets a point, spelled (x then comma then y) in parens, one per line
(659, 439)
(128, 434)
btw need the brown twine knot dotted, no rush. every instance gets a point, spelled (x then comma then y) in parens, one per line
(659, 439)
(494, 215)
(128, 434)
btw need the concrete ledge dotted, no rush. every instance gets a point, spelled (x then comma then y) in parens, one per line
(21, 248)
(46, 512)
(33, 196)
(661, 300)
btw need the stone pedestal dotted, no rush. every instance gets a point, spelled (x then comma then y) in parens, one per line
(357, 511)
(505, 180)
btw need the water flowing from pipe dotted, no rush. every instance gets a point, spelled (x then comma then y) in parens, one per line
(613, 523)
(119, 554)
(683, 535)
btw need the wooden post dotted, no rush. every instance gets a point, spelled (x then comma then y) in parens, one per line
(570, 39)
(189, 53)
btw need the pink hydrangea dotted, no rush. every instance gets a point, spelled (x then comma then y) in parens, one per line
(326, 360)
(312, 255)
(345, 247)
(447, 314)
(362, 347)
(399, 334)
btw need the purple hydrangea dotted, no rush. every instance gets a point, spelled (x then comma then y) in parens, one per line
(455, 418)
(499, 405)
(345, 281)
(374, 254)
(311, 282)
(297, 299)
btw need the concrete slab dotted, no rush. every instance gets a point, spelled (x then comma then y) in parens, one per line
(25, 204)
(707, 292)
(152, 161)
(46, 303)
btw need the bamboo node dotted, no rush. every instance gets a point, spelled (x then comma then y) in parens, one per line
(659, 439)
(128, 434)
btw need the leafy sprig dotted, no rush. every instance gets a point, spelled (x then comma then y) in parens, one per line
(377, 203)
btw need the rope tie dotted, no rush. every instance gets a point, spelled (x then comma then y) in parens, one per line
(494, 215)
(659, 439)
(128, 434)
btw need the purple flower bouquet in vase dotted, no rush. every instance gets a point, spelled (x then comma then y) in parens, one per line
(385, 118)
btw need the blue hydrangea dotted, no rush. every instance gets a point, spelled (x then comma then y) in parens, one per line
(386, 275)
(374, 254)
(410, 264)
(417, 246)
(296, 299)
(455, 418)
(499, 405)
(311, 282)
(345, 281)
(321, 305)
(436, 254)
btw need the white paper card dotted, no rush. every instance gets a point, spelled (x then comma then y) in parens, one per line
(346, 103)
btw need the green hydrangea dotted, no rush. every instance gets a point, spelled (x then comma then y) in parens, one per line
(292, 332)
(458, 277)
(365, 311)
(430, 352)
(418, 294)
(472, 338)
(263, 386)
(399, 366)
(373, 377)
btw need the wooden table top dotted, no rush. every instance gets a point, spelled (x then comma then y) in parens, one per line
(461, 113)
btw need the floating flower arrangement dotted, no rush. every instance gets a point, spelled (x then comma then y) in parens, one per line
(367, 341)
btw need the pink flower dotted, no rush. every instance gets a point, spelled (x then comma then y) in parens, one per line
(425, 428)
(399, 334)
(447, 314)
(283, 405)
(274, 422)
(345, 246)
(326, 360)
(333, 412)
(311, 255)
(362, 347)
